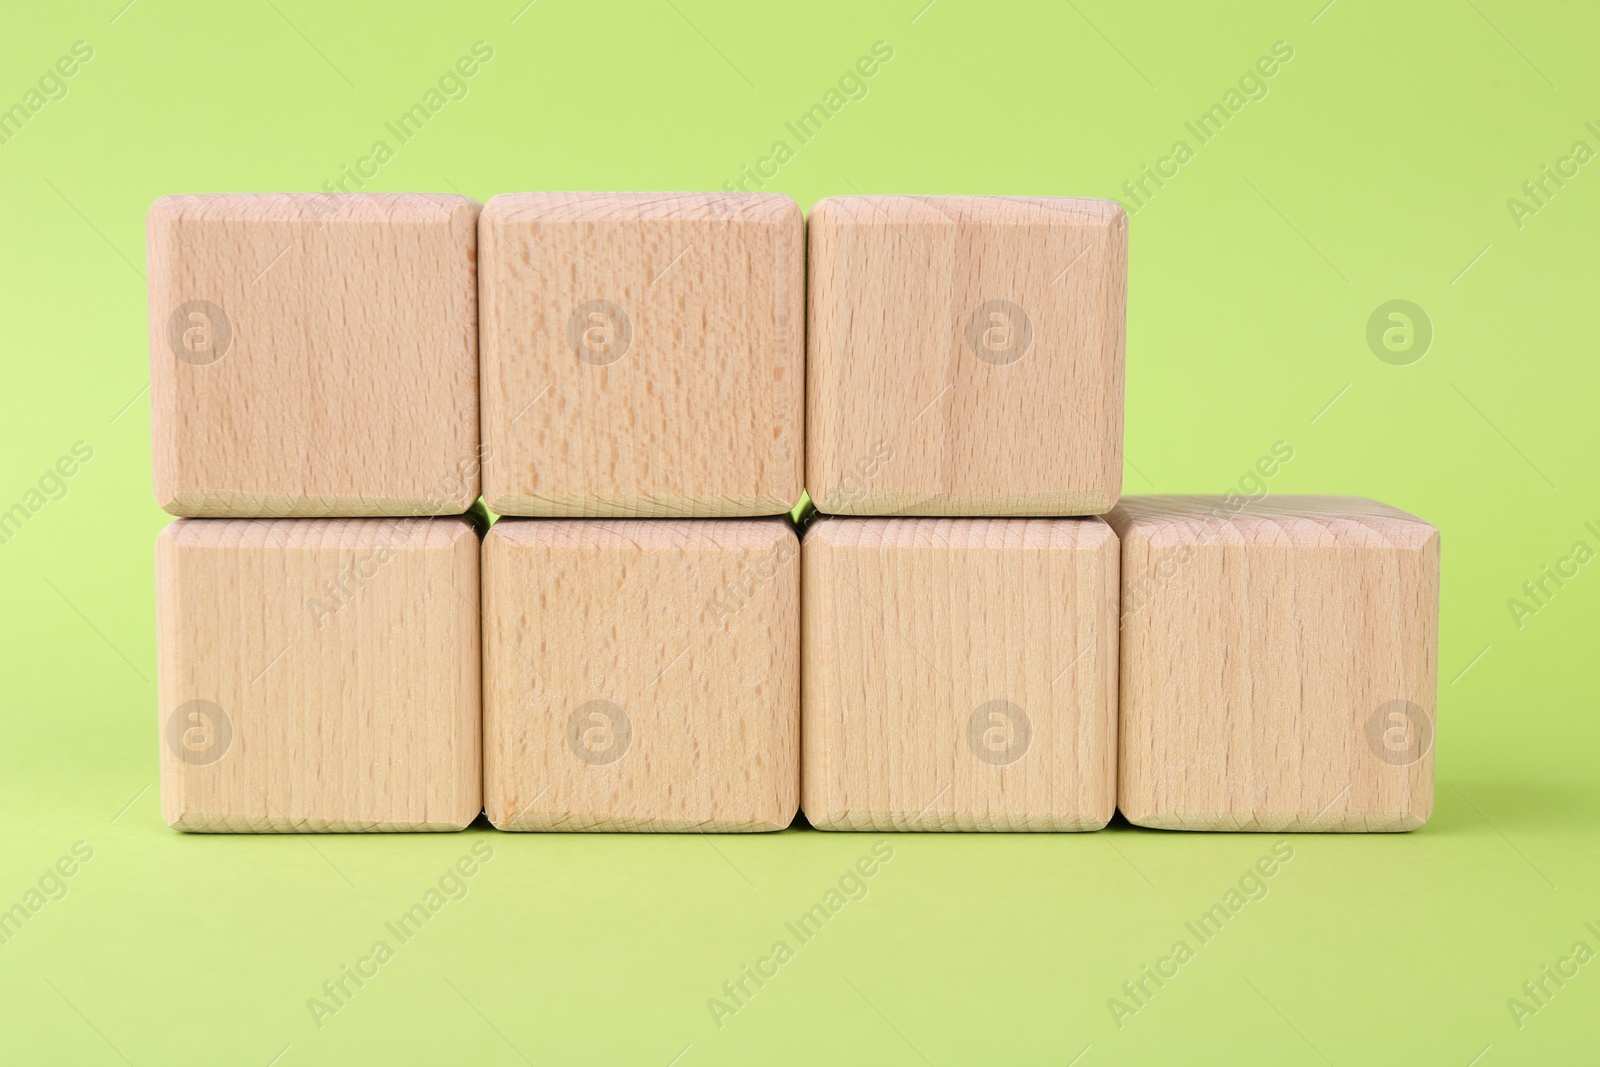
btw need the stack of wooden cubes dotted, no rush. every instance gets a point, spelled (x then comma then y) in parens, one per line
(973, 634)
(314, 391)
(643, 383)
(965, 372)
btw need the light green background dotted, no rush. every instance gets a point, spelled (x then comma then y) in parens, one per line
(1378, 167)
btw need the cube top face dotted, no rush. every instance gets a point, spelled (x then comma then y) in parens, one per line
(965, 355)
(1279, 663)
(960, 674)
(319, 674)
(643, 354)
(641, 675)
(314, 355)
(1288, 520)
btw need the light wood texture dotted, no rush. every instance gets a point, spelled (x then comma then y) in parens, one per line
(319, 674)
(314, 355)
(643, 354)
(1279, 662)
(960, 674)
(965, 355)
(641, 674)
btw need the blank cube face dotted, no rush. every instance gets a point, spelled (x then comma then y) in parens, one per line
(643, 354)
(314, 355)
(1279, 662)
(319, 674)
(965, 355)
(641, 675)
(960, 674)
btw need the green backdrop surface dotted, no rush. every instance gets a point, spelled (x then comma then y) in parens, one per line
(1438, 153)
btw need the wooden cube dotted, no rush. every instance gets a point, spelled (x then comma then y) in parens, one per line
(319, 674)
(641, 674)
(314, 355)
(1279, 661)
(960, 674)
(643, 354)
(965, 355)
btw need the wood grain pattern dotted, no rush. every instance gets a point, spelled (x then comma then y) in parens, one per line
(1279, 663)
(319, 674)
(960, 674)
(643, 354)
(314, 355)
(641, 674)
(965, 355)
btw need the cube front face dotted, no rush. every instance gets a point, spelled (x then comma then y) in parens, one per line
(314, 355)
(1279, 664)
(641, 675)
(319, 674)
(965, 355)
(960, 674)
(643, 354)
